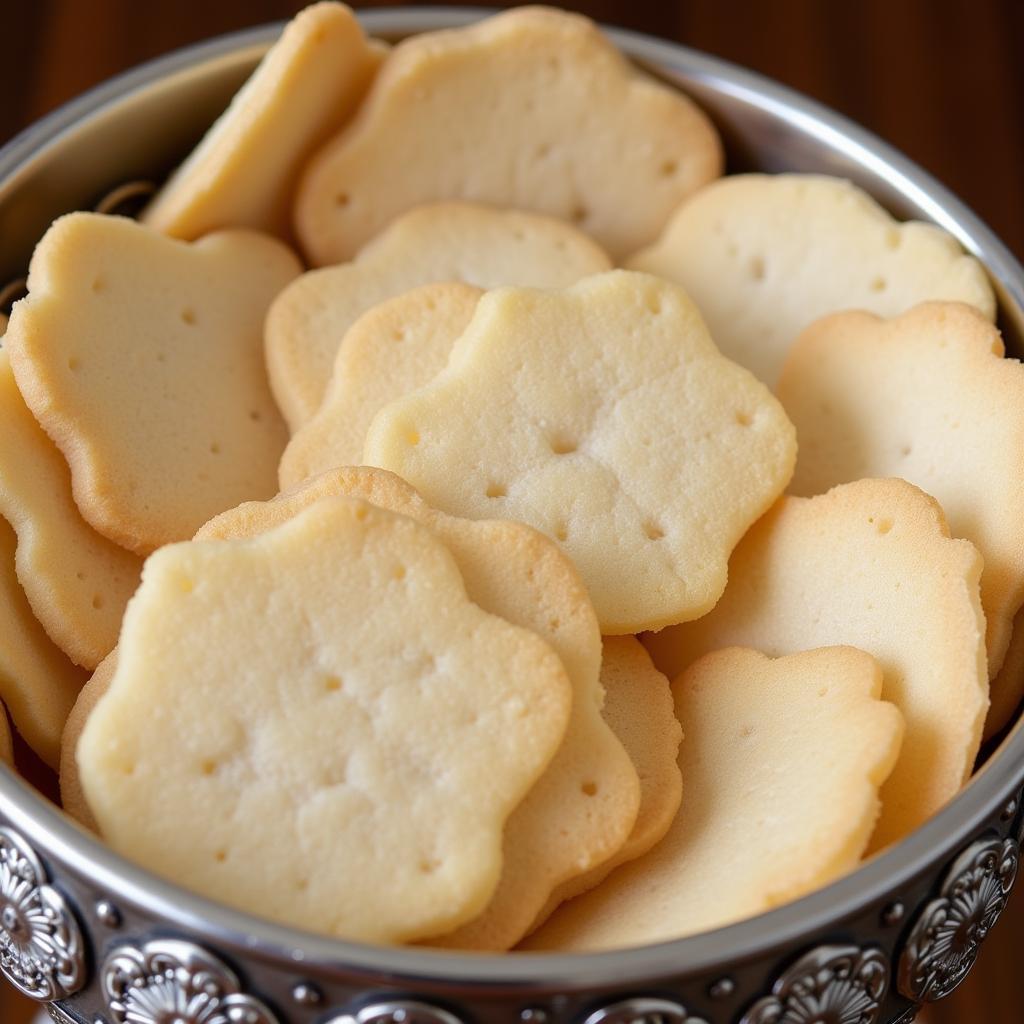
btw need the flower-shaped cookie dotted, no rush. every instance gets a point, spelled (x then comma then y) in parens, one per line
(638, 706)
(604, 416)
(393, 349)
(582, 810)
(869, 564)
(763, 255)
(72, 799)
(6, 742)
(1008, 684)
(928, 397)
(245, 170)
(77, 581)
(333, 732)
(433, 243)
(533, 109)
(781, 762)
(142, 357)
(37, 682)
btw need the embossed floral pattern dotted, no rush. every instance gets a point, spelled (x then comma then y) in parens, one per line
(946, 939)
(40, 942)
(171, 982)
(401, 1011)
(642, 1011)
(831, 985)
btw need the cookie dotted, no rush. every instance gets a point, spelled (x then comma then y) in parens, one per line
(781, 761)
(638, 708)
(604, 416)
(76, 581)
(245, 170)
(1007, 685)
(869, 564)
(393, 349)
(533, 109)
(142, 358)
(6, 741)
(38, 684)
(926, 396)
(71, 796)
(582, 810)
(436, 243)
(765, 255)
(411, 726)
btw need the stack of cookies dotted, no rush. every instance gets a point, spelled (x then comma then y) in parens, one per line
(482, 524)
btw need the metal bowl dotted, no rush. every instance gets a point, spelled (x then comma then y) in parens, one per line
(104, 942)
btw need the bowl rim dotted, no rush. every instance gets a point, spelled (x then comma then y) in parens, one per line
(58, 837)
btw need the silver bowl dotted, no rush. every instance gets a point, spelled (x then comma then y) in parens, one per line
(101, 941)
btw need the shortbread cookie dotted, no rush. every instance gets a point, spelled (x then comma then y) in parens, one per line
(6, 741)
(781, 763)
(1008, 684)
(927, 397)
(764, 255)
(245, 170)
(604, 416)
(330, 682)
(72, 798)
(38, 684)
(582, 810)
(638, 707)
(76, 581)
(436, 243)
(533, 109)
(395, 348)
(870, 564)
(142, 358)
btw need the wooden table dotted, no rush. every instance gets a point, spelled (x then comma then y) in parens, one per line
(941, 79)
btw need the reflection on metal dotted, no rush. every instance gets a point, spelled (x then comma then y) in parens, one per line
(174, 982)
(642, 1011)
(831, 983)
(949, 931)
(41, 950)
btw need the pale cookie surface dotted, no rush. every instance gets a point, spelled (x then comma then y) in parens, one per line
(245, 170)
(582, 810)
(72, 798)
(781, 762)
(435, 243)
(329, 682)
(76, 581)
(638, 708)
(765, 255)
(604, 416)
(533, 109)
(1008, 684)
(869, 564)
(6, 741)
(37, 682)
(396, 347)
(142, 357)
(927, 397)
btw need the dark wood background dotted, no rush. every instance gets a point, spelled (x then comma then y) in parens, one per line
(943, 80)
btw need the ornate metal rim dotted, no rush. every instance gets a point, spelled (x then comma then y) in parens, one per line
(64, 842)
(847, 983)
(946, 939)
(157, 981)
(42, 953)
(395, 1011)
(643, 1010)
